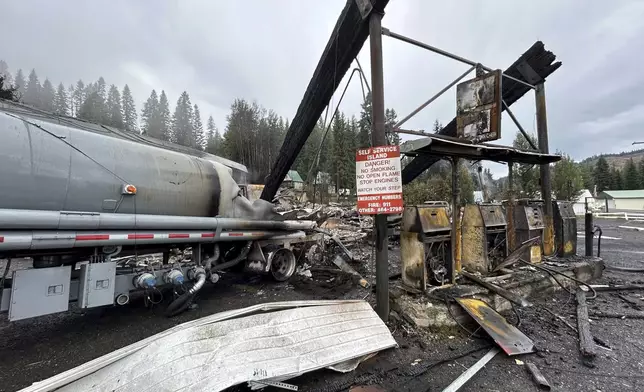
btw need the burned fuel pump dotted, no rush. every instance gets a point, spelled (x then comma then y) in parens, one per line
(528, 224)
(565, 223)
(425, 244)
(484, 237)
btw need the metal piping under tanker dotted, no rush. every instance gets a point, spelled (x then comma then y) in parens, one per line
(78, 220)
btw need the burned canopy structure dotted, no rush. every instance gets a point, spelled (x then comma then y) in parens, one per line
(348, 37)
(453, 149)
(532, 67)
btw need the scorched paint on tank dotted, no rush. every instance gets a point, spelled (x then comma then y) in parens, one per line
(49, 163)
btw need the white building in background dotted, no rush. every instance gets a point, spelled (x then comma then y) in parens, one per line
(632, 200)
(580, 204)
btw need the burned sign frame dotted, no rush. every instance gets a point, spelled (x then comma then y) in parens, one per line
(478, 108)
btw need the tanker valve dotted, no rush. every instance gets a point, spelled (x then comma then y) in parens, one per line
(174, 277)
(145, 281)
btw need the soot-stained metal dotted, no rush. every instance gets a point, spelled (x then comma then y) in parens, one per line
(478, 108)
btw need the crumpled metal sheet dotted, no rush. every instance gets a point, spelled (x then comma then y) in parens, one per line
(507, 336)
(220, 351)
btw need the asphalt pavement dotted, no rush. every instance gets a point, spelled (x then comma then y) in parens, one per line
(31, 350)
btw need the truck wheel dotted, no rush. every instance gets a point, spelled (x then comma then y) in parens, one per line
(283, 264)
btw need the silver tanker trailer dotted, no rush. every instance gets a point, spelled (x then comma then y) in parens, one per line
(80, 198)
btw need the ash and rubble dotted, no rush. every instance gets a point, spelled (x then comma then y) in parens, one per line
(344, 234)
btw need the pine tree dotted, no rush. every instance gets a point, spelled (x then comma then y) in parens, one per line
(164, 119)
(114, 109)
(32, 90)
(391, 118)
(465, 182)
(197, 129)
(437, 126)
(214, 138)
(240, 138)
(338, 166)
(526, 176)
(603, 175)
(210, 130)
(92, 108)
(4, 72)
(587, 176)
(47, 96)
(351, 145)
(616, 182)
(79, 97)
(70, 100)
(641, 170)
(631, 176)
(6, 91)
(102, 116)
(129, 111)
(60, 101)
(364, 123)
(567, 179)
(20, 84)
(312, 158)
(182, 122)
(149, 114)
(90, 89)
(101, 88)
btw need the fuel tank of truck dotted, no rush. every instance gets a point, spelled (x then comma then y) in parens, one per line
(58, 163)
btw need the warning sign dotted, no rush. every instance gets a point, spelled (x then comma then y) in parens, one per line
(378, 180)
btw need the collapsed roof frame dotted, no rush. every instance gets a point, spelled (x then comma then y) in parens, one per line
(435, 147)
(359, 19)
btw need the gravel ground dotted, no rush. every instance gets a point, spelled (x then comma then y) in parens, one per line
(31, 350)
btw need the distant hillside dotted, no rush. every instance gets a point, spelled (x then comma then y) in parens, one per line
(617, 160)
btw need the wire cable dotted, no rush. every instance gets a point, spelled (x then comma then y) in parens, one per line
(551, 272)
(316, 160)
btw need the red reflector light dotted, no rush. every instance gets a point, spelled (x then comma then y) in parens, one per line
(92, 237)
(140, 236)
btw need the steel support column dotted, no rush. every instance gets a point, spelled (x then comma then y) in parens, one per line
(510, 209)
(378, 138)
(588, 233)
(456, 211)
(546, 187)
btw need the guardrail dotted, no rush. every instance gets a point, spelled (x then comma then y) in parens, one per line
(632, 216)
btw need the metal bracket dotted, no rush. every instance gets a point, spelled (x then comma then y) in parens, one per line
(528, 73)
(365, 8)
(255, 384)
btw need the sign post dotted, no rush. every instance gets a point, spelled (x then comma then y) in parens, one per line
(378, 180)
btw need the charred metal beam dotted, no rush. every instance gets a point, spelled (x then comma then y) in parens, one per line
(348, 37)
(541, 61)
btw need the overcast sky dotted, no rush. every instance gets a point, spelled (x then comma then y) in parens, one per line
(219, 50)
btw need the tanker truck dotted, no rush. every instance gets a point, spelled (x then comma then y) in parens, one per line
(79, 199)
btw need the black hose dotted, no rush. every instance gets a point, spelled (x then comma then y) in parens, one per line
(180, 304)
(242, 255)
(184, 301)
(599, 239)
(7, 267)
